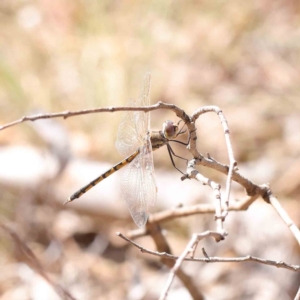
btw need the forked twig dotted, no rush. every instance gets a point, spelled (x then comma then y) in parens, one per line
(221, 208)
(251, 188)
(232, 161)
(163, 246)
(190, 248)
(210, 259)
(193, 173)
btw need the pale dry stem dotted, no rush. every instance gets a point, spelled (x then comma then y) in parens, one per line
(221, 207)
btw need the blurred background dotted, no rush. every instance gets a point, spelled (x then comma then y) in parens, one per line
(71, 55)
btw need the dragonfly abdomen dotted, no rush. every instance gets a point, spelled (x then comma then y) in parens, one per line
(109, 172)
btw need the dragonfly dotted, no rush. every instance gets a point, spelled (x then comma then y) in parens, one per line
(136, 142)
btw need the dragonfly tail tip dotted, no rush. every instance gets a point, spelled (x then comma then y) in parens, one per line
(66, 202)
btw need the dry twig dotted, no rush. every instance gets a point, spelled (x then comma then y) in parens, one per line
(209, 259)
(222, 206)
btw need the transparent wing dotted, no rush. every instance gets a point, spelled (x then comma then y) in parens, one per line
(144, 100)
(134, 124)
(138, 185)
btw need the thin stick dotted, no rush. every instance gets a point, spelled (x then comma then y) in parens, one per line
(67, 114)
(203, 208)
(162, 245)
(232, 161)
(190, 248)
(285, 217)
(215, 259)
(193, 173)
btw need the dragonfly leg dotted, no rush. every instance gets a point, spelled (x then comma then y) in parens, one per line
(183, 142)
(183, 131)
(179, 142)
(171, 152)
(180, 131)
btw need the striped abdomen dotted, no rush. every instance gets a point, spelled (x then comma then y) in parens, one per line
(115, 168)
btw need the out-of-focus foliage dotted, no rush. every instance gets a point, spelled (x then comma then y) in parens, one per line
(67, 55)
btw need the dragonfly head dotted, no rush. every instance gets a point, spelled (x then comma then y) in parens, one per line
(170, 129)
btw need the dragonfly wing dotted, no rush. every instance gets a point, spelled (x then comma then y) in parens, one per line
(135, 124)
(127, 139)
(139, 187)
(149, 177)
(144, 100)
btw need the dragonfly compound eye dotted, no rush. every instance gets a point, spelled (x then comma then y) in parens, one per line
(170, 129)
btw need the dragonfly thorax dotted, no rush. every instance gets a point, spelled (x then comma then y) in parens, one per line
(157, 139)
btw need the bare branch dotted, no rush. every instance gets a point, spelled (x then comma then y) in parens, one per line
(220, 208)
(285, 217)
(67, 114)
(208, 259)
(190, 248)
(251, 188)
(185, 211)
(154, 230)
(193, 173)
(232, 161)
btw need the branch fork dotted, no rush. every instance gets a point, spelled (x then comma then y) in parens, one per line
(221, 207)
